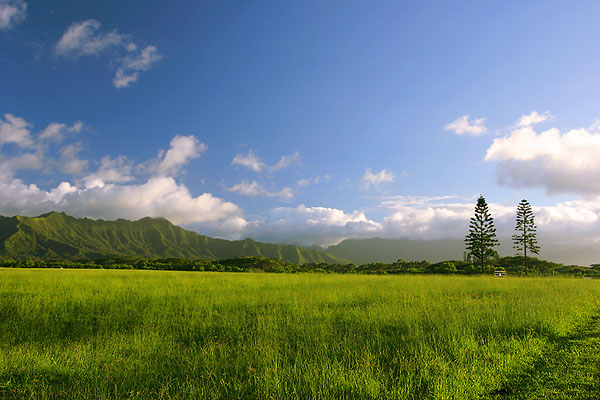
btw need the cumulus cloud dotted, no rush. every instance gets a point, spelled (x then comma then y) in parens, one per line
(256, 189)
(441, 217)
(112, 190)
(111, 170)
(10, 165)
(253, 162)
(182, 150)
(312, 225)
(160, 196)
(70, 162)
(15, 130)
(371, 179)
(12, 12)
(533, 118)
(85, 38)
(464, 126)
(558, 162)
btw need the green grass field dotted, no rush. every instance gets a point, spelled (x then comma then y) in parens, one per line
(157, 334)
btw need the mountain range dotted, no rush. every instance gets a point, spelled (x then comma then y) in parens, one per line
(361, 251)
(60, 236)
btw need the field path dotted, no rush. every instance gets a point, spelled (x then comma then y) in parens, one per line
(569, 370)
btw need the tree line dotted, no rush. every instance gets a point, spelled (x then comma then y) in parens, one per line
(275, 265)
(481, 239)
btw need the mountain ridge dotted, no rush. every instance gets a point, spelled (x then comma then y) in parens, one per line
(361, 251)
(56, 235)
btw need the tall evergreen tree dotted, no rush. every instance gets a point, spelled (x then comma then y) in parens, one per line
(482, 234)
(526, 238)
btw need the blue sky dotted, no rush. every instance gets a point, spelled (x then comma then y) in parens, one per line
(303, 122)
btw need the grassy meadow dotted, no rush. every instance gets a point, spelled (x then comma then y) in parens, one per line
(177, 335)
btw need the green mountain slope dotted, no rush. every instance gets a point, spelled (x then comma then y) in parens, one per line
(59, 236)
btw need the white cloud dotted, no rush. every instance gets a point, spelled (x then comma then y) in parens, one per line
(253, 162)
(317, 179)
(9, 165)
(558, 162)
(304, 182)
(84, 38)
(182, 150)
(462, 126)
(250, 160)
(15, 130)
(54, 131)
(123, 79)
(442, 217)
(111, 170)
(312, 225)
(256, 189)
(131, 66)
(286, 161)
(76, 127)
(370, 179)
(12, 12)
(533, 118)
(70, 162)
(158, 197)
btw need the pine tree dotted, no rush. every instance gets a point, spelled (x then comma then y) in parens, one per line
(482, 234)
(525, 239)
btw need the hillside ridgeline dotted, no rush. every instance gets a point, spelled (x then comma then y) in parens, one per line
(59, 236)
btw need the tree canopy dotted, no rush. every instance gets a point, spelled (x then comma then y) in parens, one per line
(525, 238)
(481, 238)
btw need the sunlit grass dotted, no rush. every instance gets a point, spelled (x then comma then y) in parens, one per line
(155, 334)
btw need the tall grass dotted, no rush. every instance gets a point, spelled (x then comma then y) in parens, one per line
(154, 334)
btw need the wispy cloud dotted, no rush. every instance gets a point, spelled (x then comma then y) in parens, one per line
(371, 179)
(464, 126)
(533, 118)
(255, 163)
(317, 179)
(15, 130)
(256, 189)
(250, 160)
(131, 67)
(12, 12)
(183, 149)
(85, 39)
(57, 131)
(286, 161)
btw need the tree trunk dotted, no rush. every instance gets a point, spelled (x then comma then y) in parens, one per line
(525, 253)
(482, 265)
(525, 246)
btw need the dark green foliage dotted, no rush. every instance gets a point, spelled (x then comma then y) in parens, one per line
(525, 239)
(482, 234)
(513, 265)
(61, 237)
